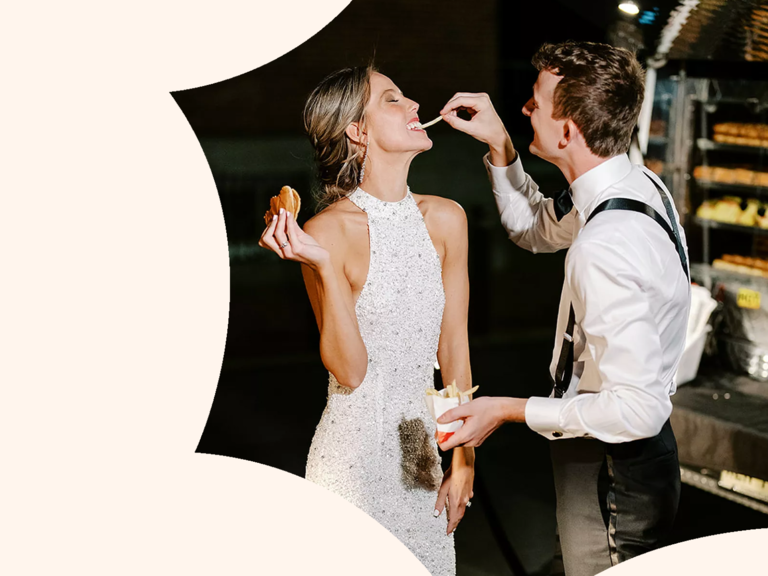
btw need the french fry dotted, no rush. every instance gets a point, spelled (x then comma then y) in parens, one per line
(431, 123)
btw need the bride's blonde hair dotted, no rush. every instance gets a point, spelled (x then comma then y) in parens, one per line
(338, 100)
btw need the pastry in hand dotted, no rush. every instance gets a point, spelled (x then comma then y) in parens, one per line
(288, 199)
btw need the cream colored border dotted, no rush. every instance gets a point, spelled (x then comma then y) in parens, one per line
(114, 313)
(115, 302)
(724, 554)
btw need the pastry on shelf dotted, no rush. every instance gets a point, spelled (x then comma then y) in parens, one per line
(706, 209)
(761, 220)
(741, 141)
(723, 175)
(731, 267)
(726, 210)
(702, 173)
(742, 264)
(750, 261)
(749, 209)
(741, 129)
(658, 128)
(743, 176)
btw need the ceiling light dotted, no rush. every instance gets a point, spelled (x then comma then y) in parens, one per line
(629, 7)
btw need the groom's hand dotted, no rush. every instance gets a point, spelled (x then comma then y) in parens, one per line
(484, 124)
(481, 417)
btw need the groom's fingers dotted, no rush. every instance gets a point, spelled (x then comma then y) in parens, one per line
(455, 122)
(473, 102)
(455, 414)
(456, 440)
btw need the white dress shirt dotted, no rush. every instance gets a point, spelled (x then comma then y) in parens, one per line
(630, 296)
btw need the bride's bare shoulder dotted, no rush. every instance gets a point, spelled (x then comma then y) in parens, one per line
(440, 212)
(336, 222)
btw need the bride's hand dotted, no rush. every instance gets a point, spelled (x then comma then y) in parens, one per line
(286, 239)
(457, 487)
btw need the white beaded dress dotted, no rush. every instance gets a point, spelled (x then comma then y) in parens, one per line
(375, 445)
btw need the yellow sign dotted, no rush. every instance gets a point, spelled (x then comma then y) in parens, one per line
(748, 299)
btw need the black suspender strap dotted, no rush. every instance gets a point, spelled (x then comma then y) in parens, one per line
(637, 206)
(564, 369)
(671, 216)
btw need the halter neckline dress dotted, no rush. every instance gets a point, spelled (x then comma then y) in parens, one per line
(375, 445)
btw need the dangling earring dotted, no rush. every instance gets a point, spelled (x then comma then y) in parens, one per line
(362, 168)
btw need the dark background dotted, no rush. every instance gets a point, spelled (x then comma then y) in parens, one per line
(250, 129)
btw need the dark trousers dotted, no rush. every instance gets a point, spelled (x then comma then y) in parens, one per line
(614, 501)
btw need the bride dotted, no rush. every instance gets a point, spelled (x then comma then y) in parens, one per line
(386, 273)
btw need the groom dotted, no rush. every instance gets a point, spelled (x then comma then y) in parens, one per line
(623, 310)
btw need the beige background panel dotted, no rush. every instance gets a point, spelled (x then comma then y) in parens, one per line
(114, 313)
(734, 553)
(115, 304)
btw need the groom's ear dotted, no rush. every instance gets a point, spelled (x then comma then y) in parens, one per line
(355, 133)
(571, 133)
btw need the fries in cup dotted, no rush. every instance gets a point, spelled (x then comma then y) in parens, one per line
(439, 402)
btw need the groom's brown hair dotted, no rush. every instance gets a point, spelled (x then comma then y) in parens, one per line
(601, 90)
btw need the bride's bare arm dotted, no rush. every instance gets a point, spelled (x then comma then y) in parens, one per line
(320, 251)
(341, 347)
(448, 223)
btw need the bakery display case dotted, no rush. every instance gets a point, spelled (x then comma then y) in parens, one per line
(708, 140)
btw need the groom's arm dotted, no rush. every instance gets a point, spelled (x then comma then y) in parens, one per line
(527, 215)
(611, 304)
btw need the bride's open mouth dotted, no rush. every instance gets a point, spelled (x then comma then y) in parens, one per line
(414, 126)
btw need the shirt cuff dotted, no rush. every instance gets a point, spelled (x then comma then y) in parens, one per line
(512, 174)
(542, 415)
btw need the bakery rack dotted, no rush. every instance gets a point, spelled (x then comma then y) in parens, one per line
(685, 111)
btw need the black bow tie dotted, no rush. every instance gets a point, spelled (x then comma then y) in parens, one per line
(563, 203)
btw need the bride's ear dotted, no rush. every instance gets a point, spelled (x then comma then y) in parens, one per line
(355, 133)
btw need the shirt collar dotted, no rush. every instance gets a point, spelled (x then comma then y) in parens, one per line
(588, 187)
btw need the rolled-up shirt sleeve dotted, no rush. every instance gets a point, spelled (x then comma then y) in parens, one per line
(526, 214)
(612, 309)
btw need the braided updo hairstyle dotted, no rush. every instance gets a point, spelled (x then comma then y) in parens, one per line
(338, 100)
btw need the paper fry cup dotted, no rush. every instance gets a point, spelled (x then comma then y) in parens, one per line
(439, 405)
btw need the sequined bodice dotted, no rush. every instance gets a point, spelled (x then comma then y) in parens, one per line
(400, 307)
(375, 444)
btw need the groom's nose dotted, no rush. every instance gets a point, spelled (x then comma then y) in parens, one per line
(528, 107)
